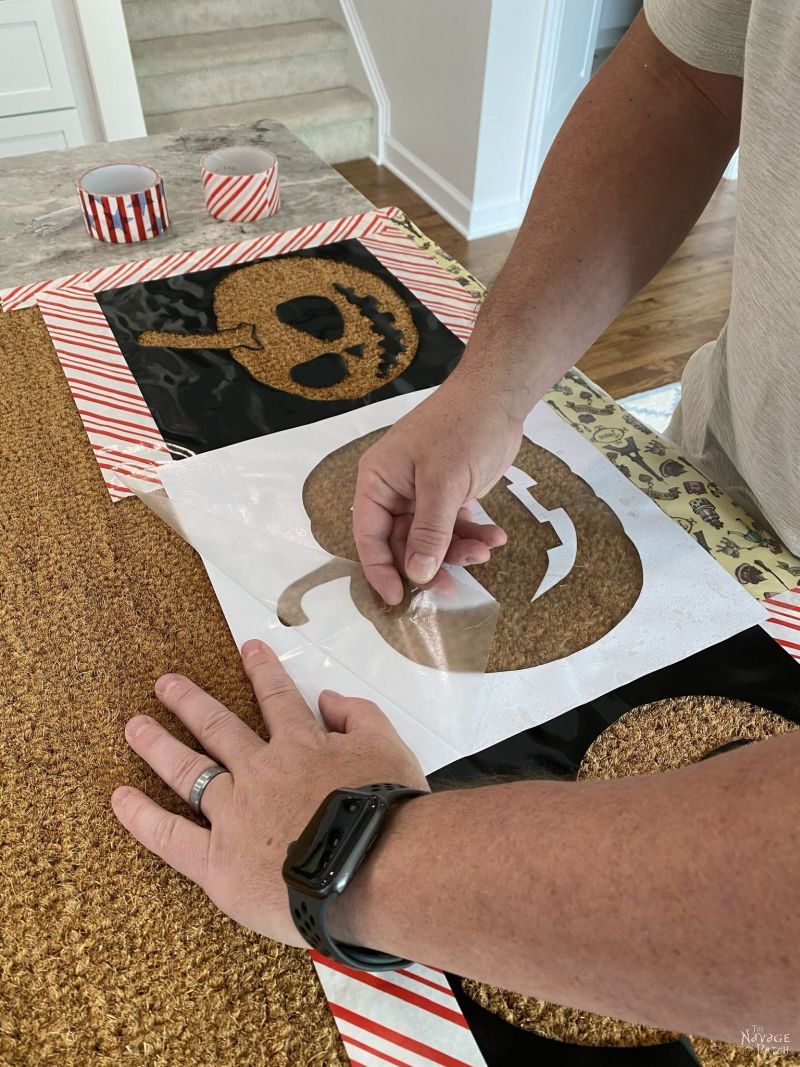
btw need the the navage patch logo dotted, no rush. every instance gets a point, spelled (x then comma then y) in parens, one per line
(757, 1037)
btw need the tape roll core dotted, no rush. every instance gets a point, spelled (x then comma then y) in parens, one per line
(239, 160)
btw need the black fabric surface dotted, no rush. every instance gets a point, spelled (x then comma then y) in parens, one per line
(749, 666)
(202, 399)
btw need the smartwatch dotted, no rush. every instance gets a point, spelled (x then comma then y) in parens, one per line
(320, 865)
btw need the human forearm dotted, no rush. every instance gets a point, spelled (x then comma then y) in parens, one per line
(666, 899)
(628, 175)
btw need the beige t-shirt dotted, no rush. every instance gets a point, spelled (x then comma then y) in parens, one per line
(736, 418)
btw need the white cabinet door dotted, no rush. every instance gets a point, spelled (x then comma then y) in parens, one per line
(33, 71)
(21, 134)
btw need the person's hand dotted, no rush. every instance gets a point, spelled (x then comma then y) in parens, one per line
(411, 509)
(271, 792)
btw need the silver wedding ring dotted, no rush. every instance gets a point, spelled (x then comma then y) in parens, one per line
(199, 787)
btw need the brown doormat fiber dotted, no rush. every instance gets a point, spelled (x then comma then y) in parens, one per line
(106, 955)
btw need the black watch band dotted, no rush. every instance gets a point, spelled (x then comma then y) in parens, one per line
(323, 861)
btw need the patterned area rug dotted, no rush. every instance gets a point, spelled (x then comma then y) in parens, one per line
(654, 406)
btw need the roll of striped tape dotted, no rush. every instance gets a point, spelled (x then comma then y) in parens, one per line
(123, 202)
(240, 183)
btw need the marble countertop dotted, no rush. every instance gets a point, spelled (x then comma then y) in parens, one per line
(311, 191)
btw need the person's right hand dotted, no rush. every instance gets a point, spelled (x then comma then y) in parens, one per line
(411, 508)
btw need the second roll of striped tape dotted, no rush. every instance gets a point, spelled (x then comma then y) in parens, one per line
(240, 183)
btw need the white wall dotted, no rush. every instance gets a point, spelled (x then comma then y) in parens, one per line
(107, 54)
(462, 79)
(431, 58)
(476, 90)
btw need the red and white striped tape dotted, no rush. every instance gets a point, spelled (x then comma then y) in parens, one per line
(452, 304)
(783, 624)
(123, 203)
(120, 427)
(240, 184)
(408, 1018)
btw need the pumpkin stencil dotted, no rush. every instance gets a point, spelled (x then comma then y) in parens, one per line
(568, 575)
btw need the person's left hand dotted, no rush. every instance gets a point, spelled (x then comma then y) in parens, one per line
(271, 792)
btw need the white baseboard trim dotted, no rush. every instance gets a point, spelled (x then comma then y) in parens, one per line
(443, 197)
(470, 219)
(498, 217)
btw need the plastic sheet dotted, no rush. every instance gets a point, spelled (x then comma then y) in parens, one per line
(51, 221)
(437, 639)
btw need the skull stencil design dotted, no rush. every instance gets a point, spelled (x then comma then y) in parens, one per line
(568, 575)
(309, 326)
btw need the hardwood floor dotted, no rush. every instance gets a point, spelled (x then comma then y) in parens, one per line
(649, 343)
(684, 306)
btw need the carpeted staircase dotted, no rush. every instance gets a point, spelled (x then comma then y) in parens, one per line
(211, 62)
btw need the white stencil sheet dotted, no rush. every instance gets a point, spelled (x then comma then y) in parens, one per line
(687, 602)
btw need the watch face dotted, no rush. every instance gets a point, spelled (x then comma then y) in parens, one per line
(334, 843)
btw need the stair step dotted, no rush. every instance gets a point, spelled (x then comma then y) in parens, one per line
(148, 19)
(338, 124)
(199, 70)
(342, 141)
(300, 111)
(226, 48)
